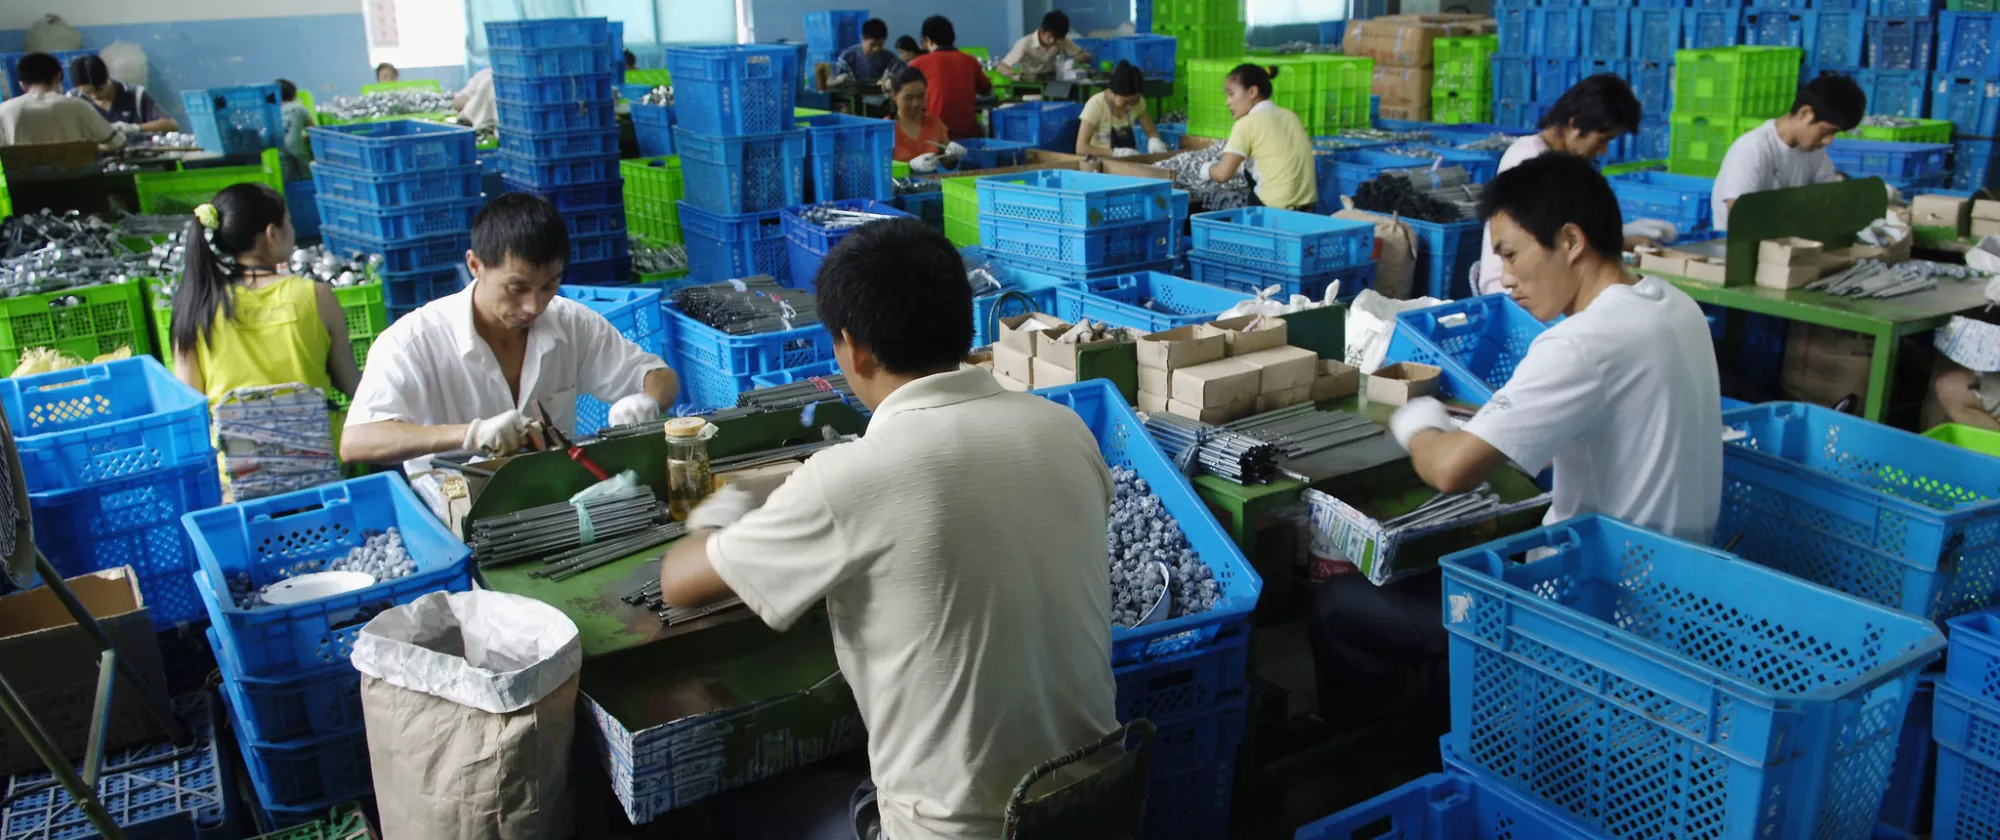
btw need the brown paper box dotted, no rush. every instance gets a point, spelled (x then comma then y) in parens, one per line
(1986, 209)
(1334, 380)
(1283, 368)
(1671, 263)
(1157, 381)
(1403, 87)
(1048, 374)
(1283, 399)
(1152, 403)
(1783, 277)
(1419, 113)
(1216, 383)
(1216, 414)
(53, 665)
(1704, 270)
(1401, 382)
(1984, 227)
(1269, 333)
(1019, 340)
(1405, 40)
(1008, 383)
(1047, 348)
(1789, 251)
(1012, 364)
(1940, 211)
(1181, 347)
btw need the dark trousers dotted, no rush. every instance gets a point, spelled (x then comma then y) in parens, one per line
(1379, 651)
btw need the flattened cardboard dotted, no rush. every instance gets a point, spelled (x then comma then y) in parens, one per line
(1218, 383)
(1401, 382)
(1334, 380)
(53, 664)
(1023, 341)
(1049, 374)
(1789, 251)
(1283, 368)
(1156, 381)
(1182, 347)
(1241, 339)
(1013, 364)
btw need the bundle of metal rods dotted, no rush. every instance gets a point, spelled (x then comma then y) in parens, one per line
(817, 389)
(582, 559)
(1448, 507)
(648, 596)
(779, 455)
(748, 306)
(552, 531)
(1192, 444)
(1302, 430)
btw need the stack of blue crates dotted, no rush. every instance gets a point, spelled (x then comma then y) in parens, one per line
(1966, 714)
(635, 312)
(743, 157)
(829, 32)
(241, 120)
(1077, 225)
(1250, 249)
(405, 189)
(1963, 91)
(294, 694)
(554, 81)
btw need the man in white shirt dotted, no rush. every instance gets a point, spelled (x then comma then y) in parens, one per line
(42, 114)
(466, 371)
(976, 647)
(1790, 151)
(1621, 396)
(1035, 54)
(475, 101)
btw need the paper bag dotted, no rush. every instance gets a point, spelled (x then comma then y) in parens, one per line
(1371, 321)
(470, 704)
(1395, 250)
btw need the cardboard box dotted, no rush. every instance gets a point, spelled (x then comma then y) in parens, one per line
(1217, 383)
(1401, 382)
(1181, 347)
(1334, 380)
(1984, 227)
(1152, 403)
(1226, 413)
(1156, 381)
(1405, 40)
(1940, 211)
(1655, 260)
(1789, 251)
(1705, 270)
(1049, 374)
(1986, 209)
(1403, 87)
(1251, 333)
(52, 664)
(1283, 399)
(1784, 277)
(1895, 252)
(1013, 364)
(1417, 113)
(1017, 335)
(1048, 348)
(1011, 384)
(1283, 368)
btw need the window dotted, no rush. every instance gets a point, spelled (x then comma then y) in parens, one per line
(646, 21)
(1261, 13)
(415, 33)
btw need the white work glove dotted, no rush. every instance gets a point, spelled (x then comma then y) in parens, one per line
(1122, 152)
(637, 408)
(722, 508)
(1653, 229)
(926, 162)
(841, 80)
(1895, 195)
(1419, 414)
(125, 128)
(955, 150)
(1155, 145)
(501, 434)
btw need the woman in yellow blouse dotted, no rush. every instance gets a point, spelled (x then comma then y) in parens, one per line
(1271, 138)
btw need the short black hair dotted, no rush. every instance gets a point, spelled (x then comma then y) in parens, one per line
(287, 92)
(88, 70)
(631, 61)
(522, 226)
(873, 29)
(1126, 79)
(1600, 104)
(1833, 98)
(908, 43)
(1254, 77)
(907, 76)
(937, 30)
(1545, 193)
(38, 69)
(1056, 23)
(897, 287)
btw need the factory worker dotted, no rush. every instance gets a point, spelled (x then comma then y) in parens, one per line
(908, 49)
(475, 102)
(1790, 151)
(1621, 397)
(297, 162)
(386, 73)
(868, 62)
(1583, 122)
(1037, 53)
(129, 107)
(1115, 120)
(953, 79)
(466, 370)
(42, 114)
(920, 137)
(1271, 138)
(977, 648)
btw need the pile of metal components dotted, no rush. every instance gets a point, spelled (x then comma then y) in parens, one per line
(570, 538)
(46, 252)
(1196, 446)
(391, 103)
(1445, 194)
(662, 95)
(1190, 170)
(648, 597)
(1140, 537)
(908, 186)
(748, 306)
(1373, 137)
(649, 258)
(165, 140)
(1876, 279)
(381, 555)
(1445, 508)
(1495, 142)
(165, 262)
(830, 217)
(817, 389)
(1886, 121)
(1305, 48)
(1302, 430)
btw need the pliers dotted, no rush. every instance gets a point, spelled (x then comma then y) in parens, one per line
(555, 438)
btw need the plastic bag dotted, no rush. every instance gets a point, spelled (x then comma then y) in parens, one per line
(1371, 321)
(52, 34)
(1986, 257)
(126, 61)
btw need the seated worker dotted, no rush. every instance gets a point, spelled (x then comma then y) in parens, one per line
(129, 107)
(240, 319)
(42, 114)
(464, 371)
(976, 648)
(1583, 122)
(1271, 138)
(1790, 151)
(386, 72)
(868, 62)
(631, 61)
(475, 103)
(908, 49)
(1034, 56)
(1621, 396)
(918, 134)
(1107, 125)
(954, 80)
(297, 162)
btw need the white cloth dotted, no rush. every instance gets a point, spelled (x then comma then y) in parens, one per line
(432, 368)
(1490, 266)
(480, 109)
(977, 645)
(1036, 60)
(1624, 398)
(1760, 161)
(50, 117)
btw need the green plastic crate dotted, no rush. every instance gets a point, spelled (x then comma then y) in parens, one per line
(1464, 63)
(1972, 5)
(961, 210)
(1699, 141)
(1453, 107)
(178, 193)
(1736, 81)
(1206, 40)
(347, 822)
(1328, 92)
(1634, 166)
(899, 169)
(86, 322)
(1933, 236)
(651, 193)
(1977, 440)
(1181, 13)
(649, 78)
(366, 310)
(413, 84)
(1925, 131)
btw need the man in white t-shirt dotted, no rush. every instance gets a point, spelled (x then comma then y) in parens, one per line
(1790, 151)
(1621, 397)
(1036, 53)
(958, 547)
(475, 101)
(44, 115)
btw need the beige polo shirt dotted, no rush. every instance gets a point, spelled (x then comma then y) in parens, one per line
(960, 550)
(50, 117)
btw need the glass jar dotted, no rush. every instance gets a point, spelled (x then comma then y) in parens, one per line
(687, 464)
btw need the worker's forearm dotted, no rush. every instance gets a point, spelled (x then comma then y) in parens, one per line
(663, 385)
(393, 441)
(1441, 460)
(161, 124)
(687, 577)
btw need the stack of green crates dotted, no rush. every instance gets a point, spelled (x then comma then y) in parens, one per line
(178, 193)
(6, 202)
(84, 322)
(1925, 131)
(367, 316)
(653, 190)
(961, 210)
(1328, 92)
(1200, 29)
(1462, 88)
(1722, 93)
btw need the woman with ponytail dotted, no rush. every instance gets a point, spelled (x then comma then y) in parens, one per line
(239, 319)
(1273, 139)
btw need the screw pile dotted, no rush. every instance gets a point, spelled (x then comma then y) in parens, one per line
(835, 218)
(554, 532)
(1192, 444)
(748, 306)
(386, 104)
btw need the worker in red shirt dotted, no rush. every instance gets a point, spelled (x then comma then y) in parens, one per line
(956, 79)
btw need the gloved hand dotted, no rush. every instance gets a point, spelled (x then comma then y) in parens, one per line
(1419, 414)
(125, 128)
(955, 150)
(501, 434)
(1654, 229)
(1122, 152)
(723, 507)
(1895, 195)
(1155, 145)
(924, 163)
(637, 408)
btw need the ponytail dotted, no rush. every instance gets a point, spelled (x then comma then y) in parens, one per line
(229, 225)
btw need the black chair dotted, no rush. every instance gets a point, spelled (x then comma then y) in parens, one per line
(1109, 804)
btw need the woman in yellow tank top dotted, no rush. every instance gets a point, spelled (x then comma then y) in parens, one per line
(239, 320)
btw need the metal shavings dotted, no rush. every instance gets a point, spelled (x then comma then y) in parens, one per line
(386, 104)
(648, 258)
(1191, 173)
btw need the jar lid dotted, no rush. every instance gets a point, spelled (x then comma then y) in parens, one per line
(685, 427)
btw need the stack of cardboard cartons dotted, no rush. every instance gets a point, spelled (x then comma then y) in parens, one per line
(1055, 359)
(1014, 352)
(1985, 219)
(1163, 353)
(1257, 372)
(1788, 262)
(1401, 46)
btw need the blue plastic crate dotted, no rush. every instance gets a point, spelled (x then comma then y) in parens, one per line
(235, 120)
(1972, 105)
(407, 290)
(1706, 28)
(559, 145)
(335, 183)
(1554, 77)
(1912, 775)
(1656, 33)
(1066, 250)
(549, 173)
(568, 116)
(1193, 681)
(1445, 254)
(743, 174)
(1556, 32)
(1967, 729)
(1830, 39)
(1146, 300)
(1447, 806)
(1764, 706)
(1863, 158)
(1895, 93)
(834, 30)
(1285, 242)
(654, 126)
(738, 89)
(985, 153)
(1152, 54)
(1038, 288)
(1523, 114)
(1893, 8)
(1513, 77)
(94, 425)
(538, 62)
(584, 89)
(1965, 44)
(400, 256)
(1973, 667)
(928, 206)
(1606, 33)
(1352, 279)
(276, 537)
(808, 243)
(1875, 512)
(726, 246)
(322, 701)
(633, 311)
(1351, 167)
(1653, 83)
(299, 780)
(1680, 199)
(406, 222)
(592, 223)
(1170, 133)
(608, 272)
(634, 92)
(1476, 342)
(1654, 140)
(1900, 43)
(548, 32)
(10, 61)
(744, 356)
(181, 794)
(133, 522)
(393, 145)
(1033, 123)
(1972, 165)
(849, 157)
(1514, 25)
(575, 198)
(603, 247)
(1193, 776)
(302, 202)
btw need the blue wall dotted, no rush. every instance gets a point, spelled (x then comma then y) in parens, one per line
(988, 24)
